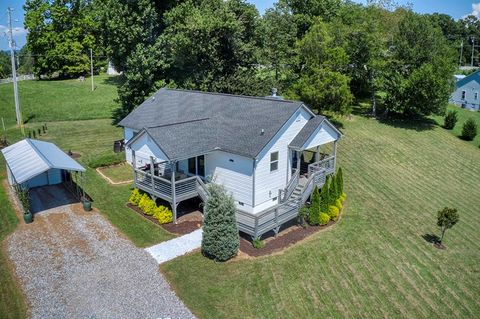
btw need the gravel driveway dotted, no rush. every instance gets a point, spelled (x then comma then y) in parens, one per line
(74, 264)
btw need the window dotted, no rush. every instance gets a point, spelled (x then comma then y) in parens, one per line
(476, 96)
(192, 169)
(201, 166)
(273, 161)
(463, 95)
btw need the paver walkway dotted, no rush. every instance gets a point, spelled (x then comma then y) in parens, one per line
(75, 264)
(173, 248)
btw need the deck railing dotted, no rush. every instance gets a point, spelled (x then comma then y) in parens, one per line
(328, 164)
(292, 184)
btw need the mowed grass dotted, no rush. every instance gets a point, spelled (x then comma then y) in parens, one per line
(374, 263)
(12, 304)
(54, 100)
(118, 173)
(463, 115)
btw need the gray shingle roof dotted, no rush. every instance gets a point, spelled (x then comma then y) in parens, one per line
(306, 132)
(187, 123)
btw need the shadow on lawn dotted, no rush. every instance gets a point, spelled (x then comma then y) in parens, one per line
(431, 238)
(417, 124)
(116, 80)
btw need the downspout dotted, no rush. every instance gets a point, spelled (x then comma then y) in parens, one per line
(253, 181)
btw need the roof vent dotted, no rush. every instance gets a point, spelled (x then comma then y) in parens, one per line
(262, 132)
(274, 92)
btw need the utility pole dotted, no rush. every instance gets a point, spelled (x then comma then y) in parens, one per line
(461, 54)
(91, 69)
(11, 43)
(473, 50)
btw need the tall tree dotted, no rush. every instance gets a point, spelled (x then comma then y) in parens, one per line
(61, 32)
(420, 68)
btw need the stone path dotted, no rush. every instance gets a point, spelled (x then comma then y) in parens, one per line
(173, 248)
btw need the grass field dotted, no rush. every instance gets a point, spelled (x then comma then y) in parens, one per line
(118, 173)
(463, 115)
(375, 262)
(43, 101)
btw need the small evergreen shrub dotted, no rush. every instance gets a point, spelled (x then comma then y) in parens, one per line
(333, 212)
(338, 204)
(324, 219)
(450, 120)
(303, 215)
(220, 239)
(469, 130)
(343, 197)
(257, 243)
(314, 211)
(340, 182)
(135, 197)
(163, 214)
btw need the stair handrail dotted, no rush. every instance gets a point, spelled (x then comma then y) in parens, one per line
(292, 184)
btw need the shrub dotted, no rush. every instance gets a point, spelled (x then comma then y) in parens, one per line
(469, 130)
(163, 214)
(106, 160)
(450, 120)
(333, 212)
(220, 239)
(334, 194)
(143, 201)
(149, 207)
(324, 197)
(314, 210)
(338, 204)
(257, 243)
(340, 182)
(135, 197)
(324, 219)
(303, 215)
(343, 197)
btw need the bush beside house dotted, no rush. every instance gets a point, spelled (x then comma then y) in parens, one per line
(469, 130)
(326, 204)
(148, 206)
(220, 240)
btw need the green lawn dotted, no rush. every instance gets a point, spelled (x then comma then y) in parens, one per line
(118, 173)
(463, 115)
(54, 100)
(12, 304)
(374, 263)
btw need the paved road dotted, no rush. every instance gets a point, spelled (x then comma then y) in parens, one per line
(74, 264)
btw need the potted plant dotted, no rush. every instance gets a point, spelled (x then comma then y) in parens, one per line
(24, 198)
(87, 204)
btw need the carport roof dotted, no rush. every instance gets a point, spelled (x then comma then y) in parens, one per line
(29, 158)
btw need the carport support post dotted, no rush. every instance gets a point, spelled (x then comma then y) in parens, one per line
(174, 197)
(82, 176)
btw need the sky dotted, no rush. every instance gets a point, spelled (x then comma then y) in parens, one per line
(456, 8)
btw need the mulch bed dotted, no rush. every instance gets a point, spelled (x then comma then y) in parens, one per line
(288, 238)
(181, 228)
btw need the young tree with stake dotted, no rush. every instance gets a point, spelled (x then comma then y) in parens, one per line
(446, 219)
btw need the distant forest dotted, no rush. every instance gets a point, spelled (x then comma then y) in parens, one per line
(326, 53)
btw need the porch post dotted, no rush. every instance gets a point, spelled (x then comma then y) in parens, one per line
(299, 159)
(152, 173)
(174, 199)
(317, 154)
(334, 156)
(134, 165)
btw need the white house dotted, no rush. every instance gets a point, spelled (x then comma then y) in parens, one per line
(467, 90)
(177, 141)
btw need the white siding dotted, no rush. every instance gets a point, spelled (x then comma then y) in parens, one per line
(323, 135)
(128, 133)
(268, 183)
(144, 147)
(471, 86)
(235, 173)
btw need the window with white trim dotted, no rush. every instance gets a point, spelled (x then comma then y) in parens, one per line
(476, 96)
(463, 95)
(273, 161)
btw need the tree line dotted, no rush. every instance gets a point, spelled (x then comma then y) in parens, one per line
(327, 53)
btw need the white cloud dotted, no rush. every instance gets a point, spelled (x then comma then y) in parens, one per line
(475, 11)
(16, 31)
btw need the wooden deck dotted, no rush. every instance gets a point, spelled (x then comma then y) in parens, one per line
(253, 224)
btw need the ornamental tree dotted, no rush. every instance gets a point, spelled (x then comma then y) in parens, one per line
(220, 240)
(446, 219)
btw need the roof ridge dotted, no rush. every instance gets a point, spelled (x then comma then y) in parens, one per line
(29, 141)
(176, 123)
(265, 98)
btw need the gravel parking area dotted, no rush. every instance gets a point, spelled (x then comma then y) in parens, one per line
(74, 264)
